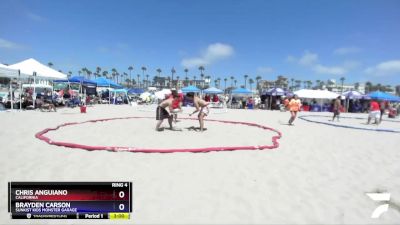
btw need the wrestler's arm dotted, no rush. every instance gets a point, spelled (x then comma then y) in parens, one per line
(196, 104)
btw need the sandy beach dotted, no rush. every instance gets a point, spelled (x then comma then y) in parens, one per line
(319, 174)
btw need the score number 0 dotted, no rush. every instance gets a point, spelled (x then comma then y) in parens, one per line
(121, 206)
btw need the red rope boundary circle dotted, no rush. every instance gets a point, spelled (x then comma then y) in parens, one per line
(41, 135)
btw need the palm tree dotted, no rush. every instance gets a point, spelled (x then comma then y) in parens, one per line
(292, 80)
(88, 73)
(356, 86)
(147, 80)
(298, 83)
(130, 68)
(186, 72)
(113, 74)
(322, 84)
(124, 74)
(245, 80)
(177, 81)
(201, 68)
(173, 71)
(105, 73)
(69, 74)
(79, 72)
(159, 72)
(215, 83)
(143, 69)
(258, 78)
(194, 80)
(304, 84)
(251, 81)
(50, 64)
(98, 70)
(138, 80)
(225, 80)
(207, 78)
(235, 81)
(397, 90)
(309, 84)
(318, 84)
(368, 87)
(342, 80)
(202, 79)
(232, 78)
(84, 69)
(117, 74)
(186, 81)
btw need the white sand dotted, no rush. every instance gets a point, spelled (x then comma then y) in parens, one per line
(318, 175)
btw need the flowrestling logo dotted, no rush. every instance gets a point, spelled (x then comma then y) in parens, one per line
(379, 197)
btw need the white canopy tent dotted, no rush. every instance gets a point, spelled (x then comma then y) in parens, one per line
(317, 94)
(5, 71)
(31, 66)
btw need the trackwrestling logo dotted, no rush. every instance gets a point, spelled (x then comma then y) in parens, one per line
(379, 197)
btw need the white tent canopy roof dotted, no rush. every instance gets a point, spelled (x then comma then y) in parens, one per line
(31, 65)
(317, 94)
(5, 71)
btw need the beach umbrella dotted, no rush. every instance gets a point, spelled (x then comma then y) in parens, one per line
(213, 90)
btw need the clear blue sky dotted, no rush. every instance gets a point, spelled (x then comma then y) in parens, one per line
(306, 40)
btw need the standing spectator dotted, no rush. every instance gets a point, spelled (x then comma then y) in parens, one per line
(336, 109)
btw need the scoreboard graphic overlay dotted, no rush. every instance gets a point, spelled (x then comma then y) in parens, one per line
(70, 200)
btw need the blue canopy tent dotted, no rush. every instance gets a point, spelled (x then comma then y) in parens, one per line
(190, 89)
(379, 95)
(275, 92)
(137, 91)
(103, 82)
(242, 91)
(77, 79)
(239, 91)
(82, 81)
(213, 90)
(119, 91)
(353, 95)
